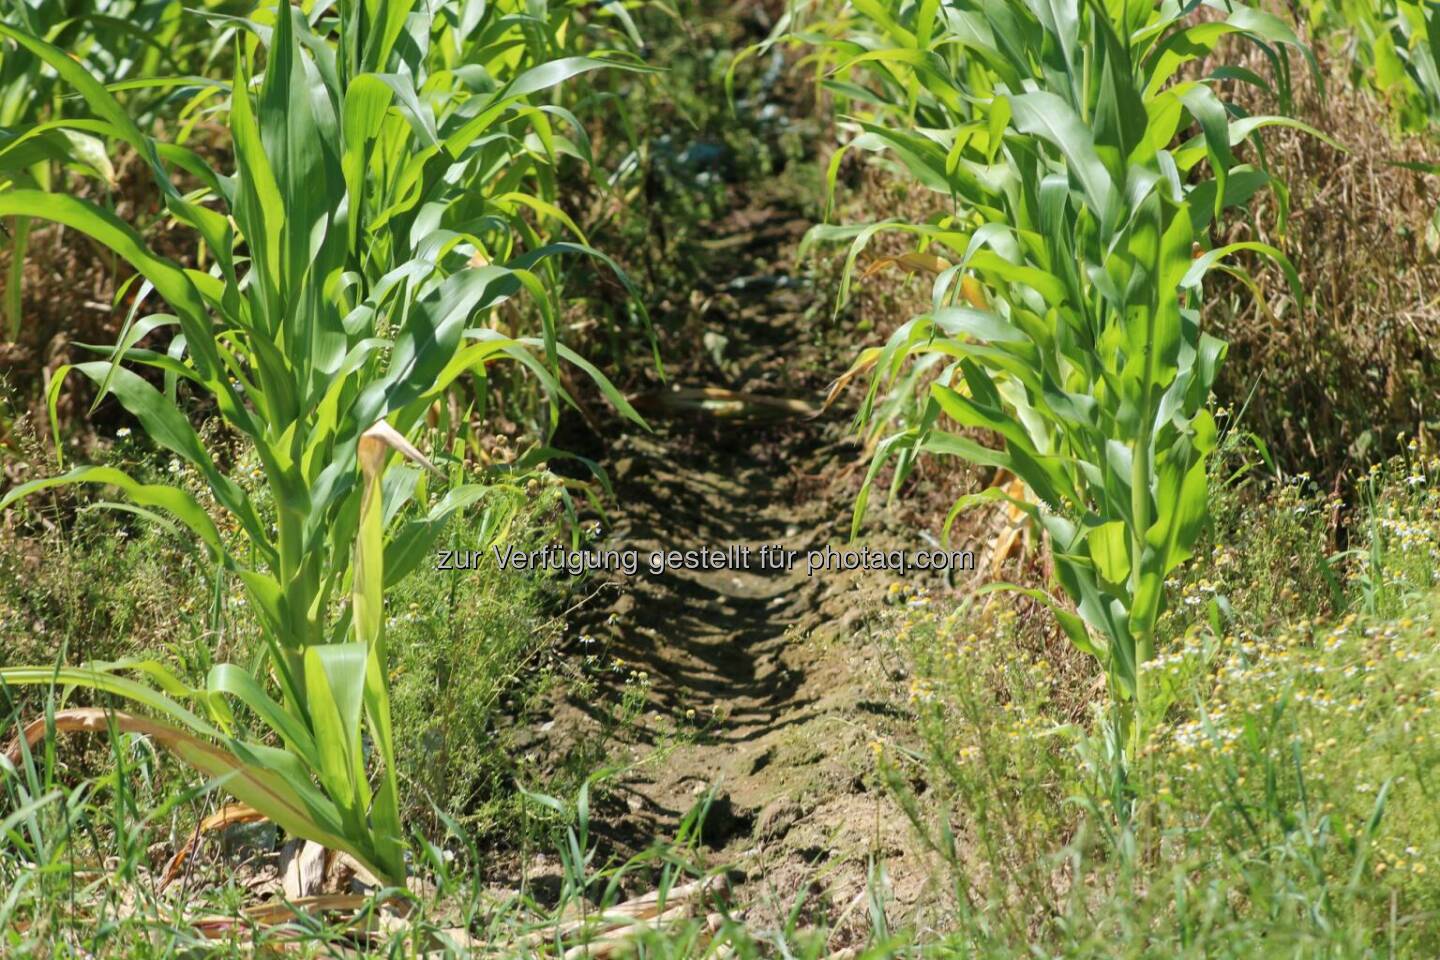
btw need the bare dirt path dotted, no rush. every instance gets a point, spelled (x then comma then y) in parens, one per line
(763, 689)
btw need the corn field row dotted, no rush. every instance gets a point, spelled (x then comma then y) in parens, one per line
(348, 244)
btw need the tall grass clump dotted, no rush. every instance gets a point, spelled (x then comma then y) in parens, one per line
(390, 168)
(1080, 165)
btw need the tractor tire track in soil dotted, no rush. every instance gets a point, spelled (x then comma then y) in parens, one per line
(765, 687)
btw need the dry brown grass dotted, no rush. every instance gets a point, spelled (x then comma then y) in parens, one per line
(1332, 383)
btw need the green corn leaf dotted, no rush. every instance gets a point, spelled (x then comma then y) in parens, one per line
(1110, 549)
(334, 698)
(1047, 116)
(228, 679)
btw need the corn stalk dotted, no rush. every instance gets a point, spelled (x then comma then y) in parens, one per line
(1080, 174)
(382, 201)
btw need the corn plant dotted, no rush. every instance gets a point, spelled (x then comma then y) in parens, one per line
(378, 209)
(1391, 47)
(125, 42)
(1080, 174)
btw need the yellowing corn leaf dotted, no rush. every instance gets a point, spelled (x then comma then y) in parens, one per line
(372, 449)
(970, 288)
(230, 813)
(719, 402)
(925, 262)
(864, 362)
(296, 808)
(1014, 525)
(973, 293)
